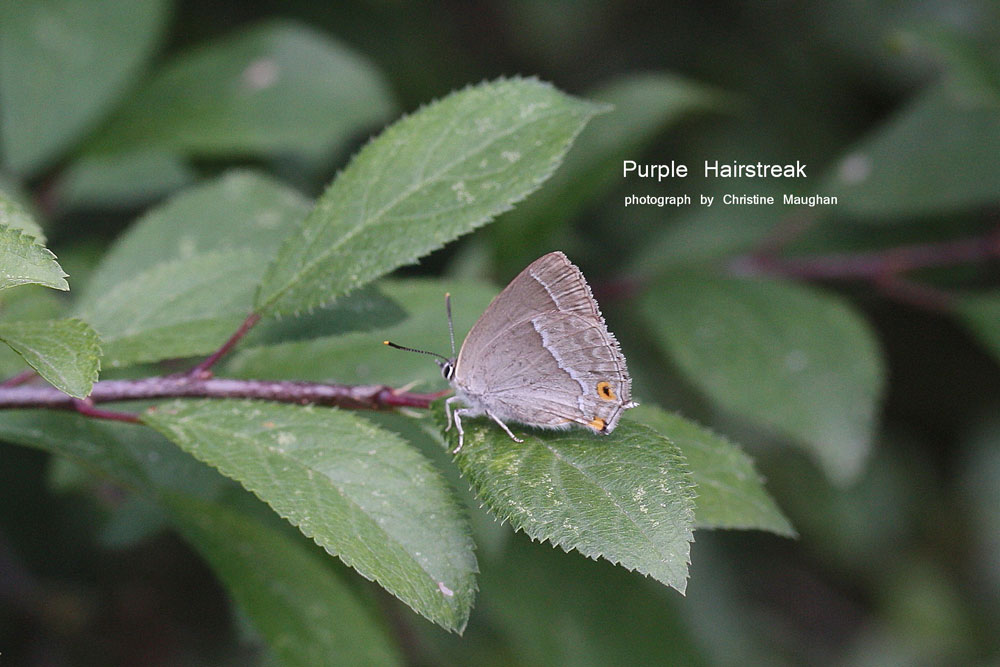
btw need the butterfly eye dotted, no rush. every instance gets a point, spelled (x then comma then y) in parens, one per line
(448, 370)
(605, 391)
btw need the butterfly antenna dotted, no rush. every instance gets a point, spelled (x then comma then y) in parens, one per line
(451, 327)
(412, 349)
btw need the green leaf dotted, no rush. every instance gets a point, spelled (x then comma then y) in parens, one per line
(730, 492)
(643, 106)
(175, 309)
(121, 180)
(67, 353)
(126, 525)
(289, 594)
(429, 178)
(23, 261)
(706, 234)
(238, 210)
(364, 309)
(360, 492)
(191, 306)
(979, 492)
(15, 216)
(30, 302)
(133, 456)
(63, 63)
(23, 256)
(971, 67)
(786, 356)
(307, 615)
(981, 314)
(272, 88)
(937, 155)
(182, 279)
(550, 608)
(627, 497)
(361, 357)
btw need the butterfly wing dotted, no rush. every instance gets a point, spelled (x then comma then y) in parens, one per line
(529, 377)
(549, 284)
(542, 355)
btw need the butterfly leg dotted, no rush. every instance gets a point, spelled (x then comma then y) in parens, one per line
(456, 414)
(458, 427)
(504, 427)
(448, 409)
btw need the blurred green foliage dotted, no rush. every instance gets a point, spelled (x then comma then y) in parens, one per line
(896, 109)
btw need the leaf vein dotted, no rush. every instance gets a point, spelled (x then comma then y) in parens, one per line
(362, 224)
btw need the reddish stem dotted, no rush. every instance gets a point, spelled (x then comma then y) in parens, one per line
(355, 397)
(19, 379)
(873, 265)
(204, 369)
(86, 407)
(785, 232)
(915, 294)
(883, 269)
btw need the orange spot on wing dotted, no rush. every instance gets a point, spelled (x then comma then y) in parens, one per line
(605, 391)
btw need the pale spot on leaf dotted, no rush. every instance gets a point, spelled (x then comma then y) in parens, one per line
(796, 361)
(260, 74)
(462, 193)
(855, 168)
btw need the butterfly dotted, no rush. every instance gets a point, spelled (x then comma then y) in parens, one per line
(540, 354)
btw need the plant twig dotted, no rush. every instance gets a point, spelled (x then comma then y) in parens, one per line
(884, 269)
(788, 230)
(356, 397)
(875, 264)
(19, 379)
(204, 369)
(86, 407)
(915, 294)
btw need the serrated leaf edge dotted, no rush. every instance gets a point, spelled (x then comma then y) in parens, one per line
(688, 491)
(95, 356)
(458, 628)
(15, 209)
(590, 109)
(740, 452)
(25, 240)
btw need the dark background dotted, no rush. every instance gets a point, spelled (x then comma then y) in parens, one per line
(898, 566)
